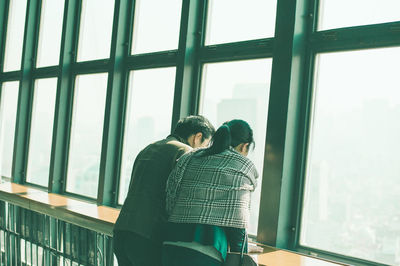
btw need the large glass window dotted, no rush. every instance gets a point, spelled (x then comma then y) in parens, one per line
(50, 32)
(8, 115)
(236, 20)
(352, 186)
(95, 29)
(86, 134)
(344, 13)
(148, 116)
(41, 131)
(15, 35)
(240, 90)
(156, 26)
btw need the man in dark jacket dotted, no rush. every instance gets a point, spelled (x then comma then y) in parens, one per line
(138, 232)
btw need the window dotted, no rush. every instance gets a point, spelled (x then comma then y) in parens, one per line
(41, 131)
(95, 29)
(50, 32)
(15, 35)
(352, 180)
(86, 134)
(156, 26)
(8, 115)
(236, 20)
(148, 116)
(240, 90)
(344, 13)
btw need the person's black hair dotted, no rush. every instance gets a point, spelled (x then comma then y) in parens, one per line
(230, 134)
(193, 124)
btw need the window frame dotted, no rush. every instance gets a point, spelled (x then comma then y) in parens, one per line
(293, 50)
(353, 38)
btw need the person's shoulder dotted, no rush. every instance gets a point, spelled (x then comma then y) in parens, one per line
(245, 161)
(165, 145)
(179, 144)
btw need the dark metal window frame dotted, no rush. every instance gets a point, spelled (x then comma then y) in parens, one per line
(382, 35)
(293, 50)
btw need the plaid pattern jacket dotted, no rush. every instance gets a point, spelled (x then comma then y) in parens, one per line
(212, 189)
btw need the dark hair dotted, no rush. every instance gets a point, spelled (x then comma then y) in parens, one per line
(193, 124)
(230, 134)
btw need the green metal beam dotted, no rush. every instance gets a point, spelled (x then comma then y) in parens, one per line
(280, 162)
(115, 106)
(237, 51)
(59, 155)
(153, 60)
(46, 72)
(353, 38)
(21, 142)
(90, 67)
(4, 6)
(188, 69)
(10, 76)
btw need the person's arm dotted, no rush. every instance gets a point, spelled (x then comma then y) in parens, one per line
(173, 183)
(236, 237)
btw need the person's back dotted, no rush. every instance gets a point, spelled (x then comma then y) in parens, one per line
(216, 184)
(138, 229)
(143, 211)
(208, 199)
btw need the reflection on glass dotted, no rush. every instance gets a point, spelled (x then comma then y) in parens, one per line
(8, 115)
(240, 90)
(95, 29)
(236, 20)
(148, 116)
(41, 131)
(156, 26)
(86, 134)
(344, 13)
(50, 32)
(15, 35)
(352, 179)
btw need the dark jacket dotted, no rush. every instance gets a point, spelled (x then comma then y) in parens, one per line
(143, 211)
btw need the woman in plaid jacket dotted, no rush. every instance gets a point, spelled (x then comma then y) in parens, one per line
(208, 199)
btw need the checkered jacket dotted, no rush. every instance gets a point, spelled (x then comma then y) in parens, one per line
(213, 189)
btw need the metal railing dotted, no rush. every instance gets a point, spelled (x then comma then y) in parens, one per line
(32, 238)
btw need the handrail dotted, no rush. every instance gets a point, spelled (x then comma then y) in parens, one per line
(101, 219)
(87, 215)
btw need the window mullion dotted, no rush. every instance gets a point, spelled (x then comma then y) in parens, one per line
(115, 106)
(58, 164)
(4, 7)
(275, 226)
(188, 69)
(25, 95)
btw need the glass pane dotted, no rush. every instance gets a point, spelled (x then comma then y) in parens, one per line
(145, 123)
(95, 29)
(8, 115)
(41, 131)
(352, 178)
(86, 134)
(235, 20)
(240, 90)
(344, 13)
(156, 26)
(50, 32)
(15, 35)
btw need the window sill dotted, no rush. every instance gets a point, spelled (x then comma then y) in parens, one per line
(88, 215)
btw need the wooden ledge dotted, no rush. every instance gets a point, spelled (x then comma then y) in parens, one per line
(102, 218)
(277, 257)
(88, 215)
